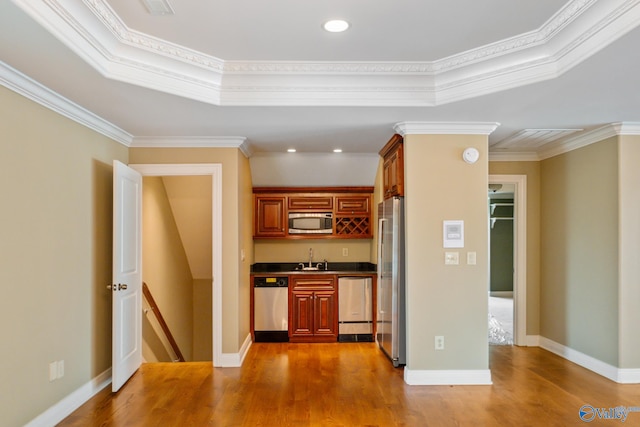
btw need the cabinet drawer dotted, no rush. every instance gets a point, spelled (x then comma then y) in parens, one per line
(313, 282)
(316, 203)
(348, 205)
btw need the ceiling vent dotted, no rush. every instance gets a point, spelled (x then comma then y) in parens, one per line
(158, 7)
(532, 139)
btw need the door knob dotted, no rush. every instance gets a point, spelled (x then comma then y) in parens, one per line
(122, 287)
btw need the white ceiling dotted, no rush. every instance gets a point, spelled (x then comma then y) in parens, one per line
(266, 76)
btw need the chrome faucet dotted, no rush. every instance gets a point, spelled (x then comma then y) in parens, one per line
(310, 257)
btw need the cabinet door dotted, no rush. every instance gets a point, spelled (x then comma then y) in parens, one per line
(301, 315)
(325, 319)
(270, 219)
(393, 167)
(393, 173)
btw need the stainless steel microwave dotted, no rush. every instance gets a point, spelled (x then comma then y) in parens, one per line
(310, 223)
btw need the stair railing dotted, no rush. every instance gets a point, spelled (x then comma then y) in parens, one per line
(161, 321)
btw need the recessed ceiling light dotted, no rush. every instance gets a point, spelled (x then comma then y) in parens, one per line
(291, 150)
(336, 26)
(337, 150)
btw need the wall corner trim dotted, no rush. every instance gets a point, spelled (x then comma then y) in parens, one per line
(234, 360)
(71, 402)
(447, 377)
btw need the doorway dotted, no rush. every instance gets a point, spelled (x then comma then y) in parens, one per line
(518, 218)
(214, 171)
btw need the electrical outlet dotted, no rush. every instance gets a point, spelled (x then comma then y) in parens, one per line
(439, 342)
(471, 258)
(56, 370)
(60, 369)
(53, 371)
(345, 251)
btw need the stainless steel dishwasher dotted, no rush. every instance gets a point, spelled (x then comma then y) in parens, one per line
(270, 309)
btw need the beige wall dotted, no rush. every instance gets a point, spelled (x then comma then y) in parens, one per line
(532, 172)
(165, 268)
(202, 320)
(245, 239)
(451, 301)
(579, 250)
(629, 285)
(235, 274)
(55, 251)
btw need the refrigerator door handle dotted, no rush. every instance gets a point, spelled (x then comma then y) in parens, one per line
(381, 222)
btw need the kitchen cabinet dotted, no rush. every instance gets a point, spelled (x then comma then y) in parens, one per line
(270, 220)
(310, 203)
(313, 308)
(393, 167)
(349, 206)
(353, 215)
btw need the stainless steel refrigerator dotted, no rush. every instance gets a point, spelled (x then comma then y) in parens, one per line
(390, 321)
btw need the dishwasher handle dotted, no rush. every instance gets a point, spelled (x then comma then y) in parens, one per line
(271, 282)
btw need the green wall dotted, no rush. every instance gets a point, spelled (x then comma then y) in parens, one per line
(579, 250)
(501, 248)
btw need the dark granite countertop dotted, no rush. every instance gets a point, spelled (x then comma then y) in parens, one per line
(332, 268)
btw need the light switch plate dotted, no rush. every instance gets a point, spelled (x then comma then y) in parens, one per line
(451, 258)
(471, 258)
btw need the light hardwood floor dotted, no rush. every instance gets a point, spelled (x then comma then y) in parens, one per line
(353, 384)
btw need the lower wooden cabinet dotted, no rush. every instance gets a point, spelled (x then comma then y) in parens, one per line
(313, 309)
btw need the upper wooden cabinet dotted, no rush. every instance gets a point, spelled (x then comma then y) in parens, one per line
(353, 204)
(353, 215)
(393, 167)
(350, 206)
(310, 203)
(270, 220)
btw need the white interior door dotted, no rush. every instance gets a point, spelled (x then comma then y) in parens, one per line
(127, 274)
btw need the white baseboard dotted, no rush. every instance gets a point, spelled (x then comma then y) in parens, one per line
(532, 341)
(502, 294)
(447, 377)
(234, 360)
(73, 401)
(626, 376)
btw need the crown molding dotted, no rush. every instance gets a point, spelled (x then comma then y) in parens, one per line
(445, 128)
(93, 30)
(36, 92)
(578, 141)
(627, 128)
(239, 142)
(557, 148)
(608, 131)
